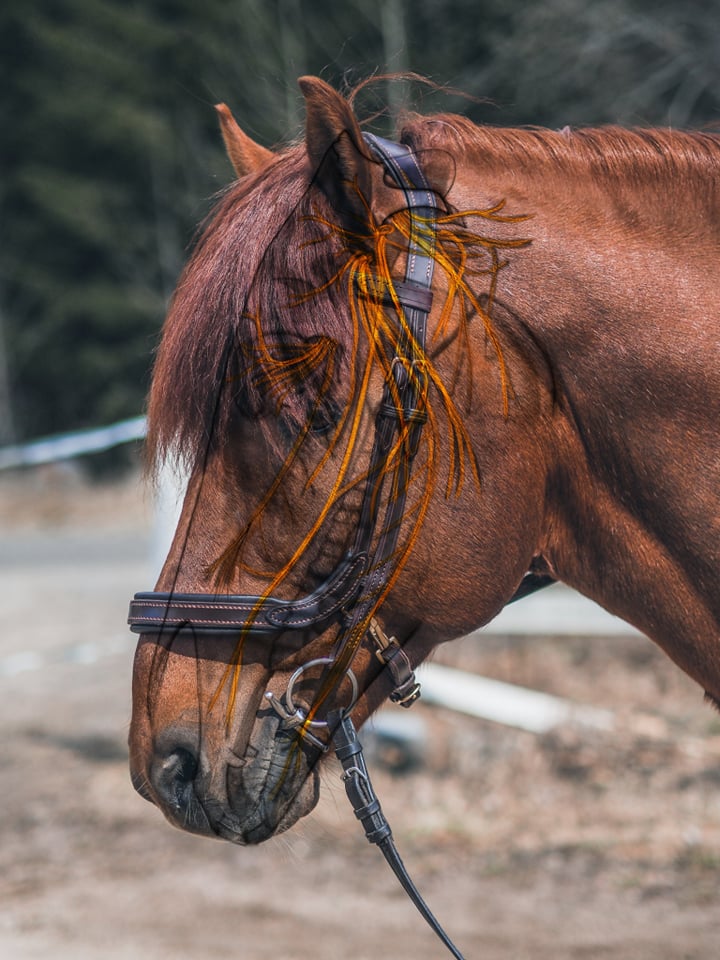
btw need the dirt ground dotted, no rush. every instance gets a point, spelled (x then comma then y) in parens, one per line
(575, 844)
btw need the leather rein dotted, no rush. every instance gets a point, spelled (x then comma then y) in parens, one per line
(350, 593)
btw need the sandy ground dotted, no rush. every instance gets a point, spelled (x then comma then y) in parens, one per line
(575, 844)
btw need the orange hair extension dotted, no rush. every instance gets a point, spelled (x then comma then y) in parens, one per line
(463, 257)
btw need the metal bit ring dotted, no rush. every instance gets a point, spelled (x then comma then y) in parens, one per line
(298, 673)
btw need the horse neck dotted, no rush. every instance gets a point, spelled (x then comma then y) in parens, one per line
(620, 299)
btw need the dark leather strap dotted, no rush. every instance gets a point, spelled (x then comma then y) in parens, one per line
(367, 809)
(356, 583)
(408, 294)
(403, 400)
(406, 688)
(216, 613)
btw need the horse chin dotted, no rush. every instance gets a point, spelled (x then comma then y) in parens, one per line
(267, 820)
(247, 824)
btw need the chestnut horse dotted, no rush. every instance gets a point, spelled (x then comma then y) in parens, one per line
(568, 391)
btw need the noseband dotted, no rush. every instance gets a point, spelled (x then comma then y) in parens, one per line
(350, 593)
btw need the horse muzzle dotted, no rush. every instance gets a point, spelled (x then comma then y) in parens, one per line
(244, 799)
(241, 775)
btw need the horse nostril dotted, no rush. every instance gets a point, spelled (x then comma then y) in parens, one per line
(172, 777)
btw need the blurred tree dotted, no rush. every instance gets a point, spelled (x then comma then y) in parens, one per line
(110, 147)
(612, 61)
(89, 222)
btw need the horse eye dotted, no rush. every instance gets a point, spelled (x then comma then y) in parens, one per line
(326, 418)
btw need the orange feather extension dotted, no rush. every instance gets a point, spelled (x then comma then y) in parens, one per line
(463, 257)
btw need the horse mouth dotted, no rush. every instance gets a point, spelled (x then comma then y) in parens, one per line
(244, 800)
(265, 799)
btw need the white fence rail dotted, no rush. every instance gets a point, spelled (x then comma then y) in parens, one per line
(64, 446)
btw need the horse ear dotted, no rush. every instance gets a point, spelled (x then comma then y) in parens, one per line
(245, 155)
(336, 148)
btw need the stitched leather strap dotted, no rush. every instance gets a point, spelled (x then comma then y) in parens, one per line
(406, 688)
(368, 810)
(403, 401)
(216, 613)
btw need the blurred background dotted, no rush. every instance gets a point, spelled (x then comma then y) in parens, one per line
(595, 835)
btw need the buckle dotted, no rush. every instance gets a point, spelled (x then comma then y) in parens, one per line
(389, 652)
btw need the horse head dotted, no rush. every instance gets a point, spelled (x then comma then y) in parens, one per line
(361, 441)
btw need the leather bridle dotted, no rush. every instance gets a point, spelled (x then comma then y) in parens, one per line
(351, 590)
(350, 594)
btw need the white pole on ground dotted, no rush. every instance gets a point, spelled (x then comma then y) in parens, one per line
(504, 702)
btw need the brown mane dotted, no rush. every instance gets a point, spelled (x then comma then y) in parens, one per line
(241, 262)
(612, 152)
